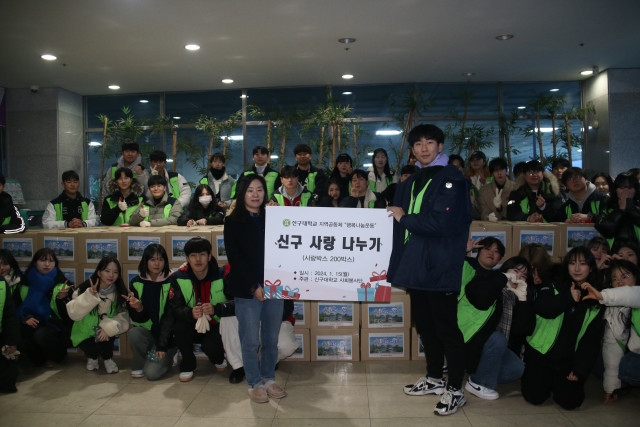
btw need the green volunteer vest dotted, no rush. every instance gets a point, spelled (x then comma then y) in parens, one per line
(415, 205)
(372, 184)
(123, 217)
(311, 181)
(595, 208)
(526, 209)
(6, 220)
(635, 320)
(165, 212)
(139, 286)
(52, 304)
(3, 296)
(83, 328)
(58, 208)
(204, 181)
(270, 179)
(174, 185)
(304, 199)
(470, 319)
(216, 293)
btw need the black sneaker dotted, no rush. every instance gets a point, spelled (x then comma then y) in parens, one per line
(237, 375)
(451, 400)
(425, 386)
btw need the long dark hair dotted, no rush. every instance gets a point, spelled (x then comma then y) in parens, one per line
(6, 257)
(387, 170)
(42, 253)
(240, 212)
(121, 288)
(624, 180)
(198, 192)
(149, 252)
(573, 255)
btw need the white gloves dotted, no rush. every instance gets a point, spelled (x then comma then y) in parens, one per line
(123, 205)
(154, 171)
(144, 211)
(6, 354)
(145, 224)
(521, 286)
(202, 324)
(497, 200)
(492, 217)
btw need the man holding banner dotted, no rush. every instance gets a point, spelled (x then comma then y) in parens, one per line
(433, 214)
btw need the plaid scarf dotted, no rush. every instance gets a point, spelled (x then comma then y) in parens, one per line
(508, 302)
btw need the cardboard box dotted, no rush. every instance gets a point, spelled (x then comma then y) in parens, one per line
(573, 235)
(63, 242)
(93, 246)
(303, 353)
(217, 240)
(176, 239)
(71, 273)
(386, 344)
(302, 314)
(22, 246)
(503, 231)
(546, 234)
(135, 240)
(335, 344)
(129, 271)
(334, 314)
(394, 314)
(417, 349)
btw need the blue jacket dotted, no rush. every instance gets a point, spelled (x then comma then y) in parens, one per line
(431, 259)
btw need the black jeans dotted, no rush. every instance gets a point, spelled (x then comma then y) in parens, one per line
(185, 336)
(93, 349)
(43, 343)
(539, 381)
(435, 315)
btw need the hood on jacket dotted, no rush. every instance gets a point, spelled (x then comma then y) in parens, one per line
(546, 176)
(136, 188)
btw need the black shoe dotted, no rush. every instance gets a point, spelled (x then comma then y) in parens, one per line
(237, 375)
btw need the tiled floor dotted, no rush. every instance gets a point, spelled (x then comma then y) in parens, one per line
(338, 394)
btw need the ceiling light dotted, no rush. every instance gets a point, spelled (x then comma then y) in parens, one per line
(468, 74)
(176, 117)
(114, 87)
(522, 107)
(227, 81)
(169, 160)
(347, 40)
(48, 57)
(244, 96)
(95, 144)
(388, 132)
(347, 93)
(347, 76)
(236, 137)
(503, 37)
(144, 101)
(367, 165)
(554, 90)
(274, 156)
(586, 72)
(192, 47)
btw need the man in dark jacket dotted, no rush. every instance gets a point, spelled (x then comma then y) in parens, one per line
(432, 210)
(10, 220)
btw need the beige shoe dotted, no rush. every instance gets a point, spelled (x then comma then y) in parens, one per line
(274, 391)
(258, 394)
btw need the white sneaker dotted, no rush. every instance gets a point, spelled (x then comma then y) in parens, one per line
(185, 377)
(221, 366)
(110, 366)
(92, 364)
(450, 402)
(482, 392)
(175, 359)
(137, 373)
(425, 386)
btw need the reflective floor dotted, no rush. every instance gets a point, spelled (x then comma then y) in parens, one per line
(338, 394)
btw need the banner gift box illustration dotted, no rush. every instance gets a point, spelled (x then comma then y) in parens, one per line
(379, 293)
(275, 290)
(366, 292)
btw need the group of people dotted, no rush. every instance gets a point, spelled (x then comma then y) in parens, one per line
(529, 319)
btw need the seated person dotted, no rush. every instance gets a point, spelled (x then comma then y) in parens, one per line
(130, 159)
(537, 198)
(332, 200)
(196, 301)
(261, 156)
(218, 180)
(291, 192)
(342, 173)
(160, 209)
(361, 195)
(494, 195)
(583, 202)
(177, 186)
(9, 336)
(125, 194)
(311, 177)
(70, 209)
(203, 209)
(10, 220)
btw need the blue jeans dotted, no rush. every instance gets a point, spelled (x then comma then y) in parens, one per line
(259, 321)
(497, 364)
(629, 371)
(141, 341)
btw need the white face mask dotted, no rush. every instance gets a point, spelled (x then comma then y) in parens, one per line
(205, 200)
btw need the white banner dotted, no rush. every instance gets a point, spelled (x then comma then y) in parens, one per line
(325, 254)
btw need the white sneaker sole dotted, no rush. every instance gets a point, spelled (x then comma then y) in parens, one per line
(478, 393)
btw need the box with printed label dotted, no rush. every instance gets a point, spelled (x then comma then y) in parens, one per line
(92, 247)
(333, 314)
(394, 314)
(176, 239)
(335, 344)
(502, 231)
(64, 243)
(302, 314)
(417, 349)
(135, 240)
(545, 234)
(22, 246)
(386, 344)
(303, 353)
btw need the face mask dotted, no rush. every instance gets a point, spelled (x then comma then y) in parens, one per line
(204, 200)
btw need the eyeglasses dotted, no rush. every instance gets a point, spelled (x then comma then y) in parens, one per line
(623, 276)
(533, 172)
(156, 185)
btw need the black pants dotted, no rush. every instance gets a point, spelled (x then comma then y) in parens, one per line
(44, 343)
(185, 336)
(539, 381)
(435, 315)
(8, 375)
(93, 349)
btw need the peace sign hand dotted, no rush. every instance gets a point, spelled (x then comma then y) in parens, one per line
(134, 302)
(93, 287)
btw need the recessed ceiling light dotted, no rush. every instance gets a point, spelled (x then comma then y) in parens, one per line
(169, 160)
(176, 117)
(48, 57)
(388, 132)
(522, 107)
(114, 87)
(347, 93)
(95, 144)
(503, 37)
(244, 96)
(347, 76)
(227, 81)
(144, 101)
(586, 72)
(554, 90)
(238, 138)
(192, 47)
(347, 40)
(468, 74)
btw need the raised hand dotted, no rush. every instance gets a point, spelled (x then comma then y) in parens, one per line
(144, 211)
(93, 287)
(592, 293)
